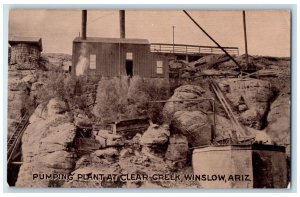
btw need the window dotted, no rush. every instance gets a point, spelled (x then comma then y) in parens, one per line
(92, 61)
(129, 56)
(159, 67)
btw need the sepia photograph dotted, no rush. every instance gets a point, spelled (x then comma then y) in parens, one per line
(124, 98)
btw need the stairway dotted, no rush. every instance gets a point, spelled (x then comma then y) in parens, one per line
(15, 139)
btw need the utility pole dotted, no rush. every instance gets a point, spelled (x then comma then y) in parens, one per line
(173, 38)
(245, 38)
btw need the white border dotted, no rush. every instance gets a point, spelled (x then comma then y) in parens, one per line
(128, 2)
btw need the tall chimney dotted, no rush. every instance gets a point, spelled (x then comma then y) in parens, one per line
(83, 24)
(122, 23)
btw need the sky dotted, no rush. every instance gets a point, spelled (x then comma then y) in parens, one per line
(268, 31)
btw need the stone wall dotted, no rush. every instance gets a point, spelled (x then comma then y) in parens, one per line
(26, 56)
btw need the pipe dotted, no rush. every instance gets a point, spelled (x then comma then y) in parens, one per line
(83, 24)
(213, 40)
(122, 23)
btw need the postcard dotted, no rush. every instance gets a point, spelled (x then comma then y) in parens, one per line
(149, 98)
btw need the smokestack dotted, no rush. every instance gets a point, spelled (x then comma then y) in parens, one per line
(122, 23)
(83, 24)
(245, 37)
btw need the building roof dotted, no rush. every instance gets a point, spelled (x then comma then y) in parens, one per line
(113, 40)
(28, 40)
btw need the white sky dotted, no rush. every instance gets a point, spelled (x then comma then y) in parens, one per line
(268, 31)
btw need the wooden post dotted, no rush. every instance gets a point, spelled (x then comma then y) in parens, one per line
(214, 121)
(173, 38)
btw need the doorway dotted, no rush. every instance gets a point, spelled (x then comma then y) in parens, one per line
(129, 68)
(129, 64)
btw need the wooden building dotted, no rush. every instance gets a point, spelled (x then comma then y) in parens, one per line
(25, 50)
(110, 57)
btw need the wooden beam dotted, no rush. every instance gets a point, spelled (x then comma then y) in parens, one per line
(17, 162)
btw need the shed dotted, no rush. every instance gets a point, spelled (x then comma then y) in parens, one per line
(112, 57)
(25, 50)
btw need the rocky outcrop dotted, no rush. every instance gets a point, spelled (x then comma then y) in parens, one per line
(47, 146)
(155, 135)
(279, 128)
(251, 97)
(19, 100)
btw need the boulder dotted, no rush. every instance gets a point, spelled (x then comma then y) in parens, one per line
(82, 120)
(106, 153)
(84, 161)
(155, 135)
(125, 153)
(242, 107)
(29, 79)
(47, 147)
(102, 141)
(16, 103)
(186, 92)
(58, 160)
(39, 113)
(195, 125)
(279, 128)
(177, 148)
(59, 138)
(251, 118)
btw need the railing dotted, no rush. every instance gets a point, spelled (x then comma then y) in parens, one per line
(191, 49)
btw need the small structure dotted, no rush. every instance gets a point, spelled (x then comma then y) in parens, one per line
(25, 51)
(110, 57)
(242, 166)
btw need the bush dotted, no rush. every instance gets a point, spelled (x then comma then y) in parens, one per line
(66, 87)
(121, 98)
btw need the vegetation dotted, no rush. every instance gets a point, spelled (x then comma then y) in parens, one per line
(66, 87)
(119, 98)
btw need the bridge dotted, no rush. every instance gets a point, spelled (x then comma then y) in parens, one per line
(187, 51)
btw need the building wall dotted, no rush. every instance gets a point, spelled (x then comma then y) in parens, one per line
(24, 53)
(269, 168)
(111, 58)
(153, 60)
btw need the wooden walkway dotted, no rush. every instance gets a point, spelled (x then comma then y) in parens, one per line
(184, 49)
